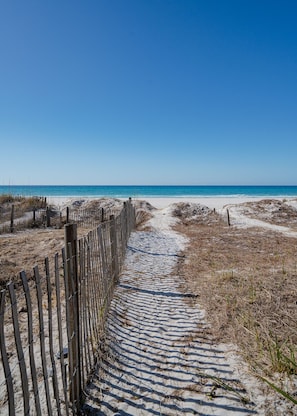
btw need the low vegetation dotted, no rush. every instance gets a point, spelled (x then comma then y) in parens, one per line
(21, 205)
(17, 212)
(246, 280)
(22, 250)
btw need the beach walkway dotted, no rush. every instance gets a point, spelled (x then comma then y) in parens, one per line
(160, 359)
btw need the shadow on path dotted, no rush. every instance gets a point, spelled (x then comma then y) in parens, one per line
(159, 358)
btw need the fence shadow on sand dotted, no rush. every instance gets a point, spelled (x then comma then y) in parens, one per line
(159, 357)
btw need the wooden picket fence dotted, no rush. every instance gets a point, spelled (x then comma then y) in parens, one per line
(52, 326)
(46, 217)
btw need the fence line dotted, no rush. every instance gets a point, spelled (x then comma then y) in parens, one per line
(52, 332)
(46, 217)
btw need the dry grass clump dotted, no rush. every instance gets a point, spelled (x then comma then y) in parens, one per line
(143, 212)
(271, 210)
(17, 213)
(93, 206)
(190, 213)
(21, 205)
(142, 217)
(246, 279)
(6, 198)
(23, 217)
(23, 251)
(26, 249)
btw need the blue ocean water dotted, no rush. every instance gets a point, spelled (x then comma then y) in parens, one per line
(139, 191)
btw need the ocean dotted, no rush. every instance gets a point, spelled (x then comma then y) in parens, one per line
(139, 191)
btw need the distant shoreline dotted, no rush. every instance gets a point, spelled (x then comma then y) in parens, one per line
(152, 192)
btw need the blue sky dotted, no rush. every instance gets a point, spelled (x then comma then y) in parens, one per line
(148, 92)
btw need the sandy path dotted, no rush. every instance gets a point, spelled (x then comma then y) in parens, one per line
(160, 359)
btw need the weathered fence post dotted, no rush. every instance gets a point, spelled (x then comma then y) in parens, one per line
(114, 249)
(12, 218)
(126, 229)
(34, 216)
(73, 313)
(48, 218)
(4, 356)
(102, 214)
(19, 348)
(67, 215)
(130, 214)
(228, 217)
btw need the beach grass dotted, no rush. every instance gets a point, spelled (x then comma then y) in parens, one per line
(22, 204)
(246, 280)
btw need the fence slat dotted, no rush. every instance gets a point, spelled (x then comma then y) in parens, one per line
(5, 362)
(90, 309)
(82, 311)
(102, 251)
(73, 304)
(87, 331)
(50, 333)
(31, 341)
(19, 348)
(42, 340)
(93, 290)
(60, 327)
(113, 245)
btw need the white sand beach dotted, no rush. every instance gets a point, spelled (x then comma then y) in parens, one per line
(210, 202)
(163, 202)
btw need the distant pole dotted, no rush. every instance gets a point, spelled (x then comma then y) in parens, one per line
(228, 217)
(48, 218)
(12, 218)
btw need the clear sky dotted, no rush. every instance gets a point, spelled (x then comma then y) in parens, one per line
(148, 92)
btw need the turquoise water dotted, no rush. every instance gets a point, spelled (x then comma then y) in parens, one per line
(149, 191)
